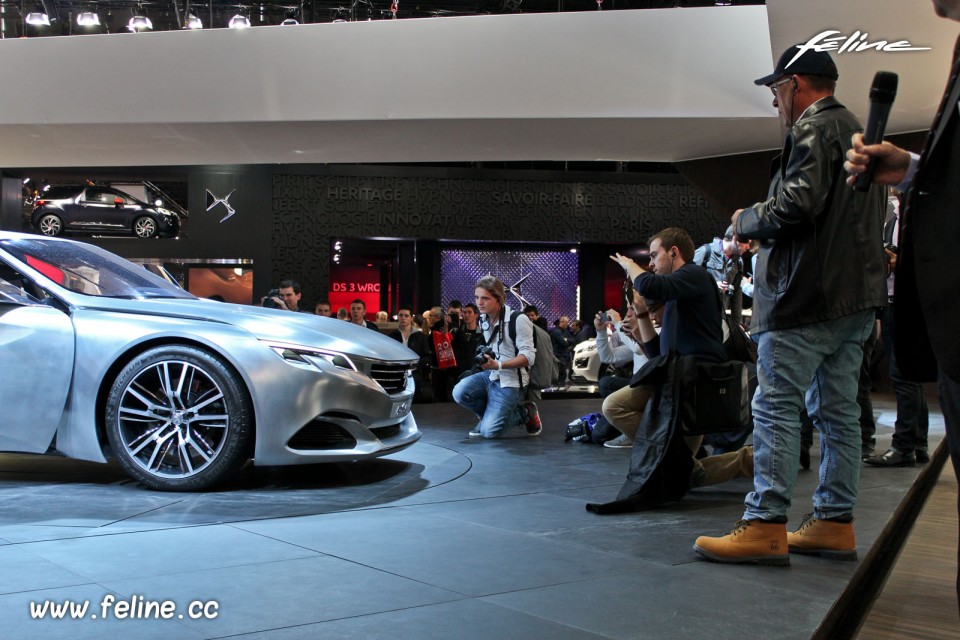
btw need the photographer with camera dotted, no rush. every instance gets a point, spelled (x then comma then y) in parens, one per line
(286, 296)
(691, 325)
(724, 259)
(494, 392)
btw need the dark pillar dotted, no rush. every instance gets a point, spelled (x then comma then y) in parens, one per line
(407, 276)
(593, 261)
(428, 274)
(11, 204)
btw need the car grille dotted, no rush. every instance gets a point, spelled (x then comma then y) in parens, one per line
(320, 434)
(385, 433)
(391, 376)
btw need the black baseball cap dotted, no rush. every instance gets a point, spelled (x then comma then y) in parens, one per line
(810, 63)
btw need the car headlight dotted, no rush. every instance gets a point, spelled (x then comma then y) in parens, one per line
(306, 356)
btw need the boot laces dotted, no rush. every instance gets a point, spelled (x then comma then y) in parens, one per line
(807, 522)
(740, 527)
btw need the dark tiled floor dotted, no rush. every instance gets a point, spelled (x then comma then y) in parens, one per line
(453, 538)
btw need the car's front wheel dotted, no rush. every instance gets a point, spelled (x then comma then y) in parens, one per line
(50, 225)
(179, 419)
(145, 227)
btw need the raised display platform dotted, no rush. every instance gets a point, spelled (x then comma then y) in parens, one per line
(454, 537)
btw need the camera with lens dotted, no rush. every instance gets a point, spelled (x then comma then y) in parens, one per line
(579, 431)
(482, 351)
(269, 302)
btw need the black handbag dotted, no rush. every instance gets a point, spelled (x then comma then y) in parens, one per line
(653, 372)
(714, 397)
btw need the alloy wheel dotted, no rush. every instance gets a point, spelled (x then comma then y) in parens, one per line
(145, 228)
(173, 419)
(50, 225)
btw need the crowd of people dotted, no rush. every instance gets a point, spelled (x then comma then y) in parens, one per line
(422, 333)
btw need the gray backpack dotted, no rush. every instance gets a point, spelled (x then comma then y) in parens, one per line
(545, 371)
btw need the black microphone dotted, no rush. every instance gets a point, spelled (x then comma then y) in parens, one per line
(882, 93)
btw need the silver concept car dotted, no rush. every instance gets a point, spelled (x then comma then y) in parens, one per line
(98, 356)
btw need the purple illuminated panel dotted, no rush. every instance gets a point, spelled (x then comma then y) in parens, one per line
(549, 278)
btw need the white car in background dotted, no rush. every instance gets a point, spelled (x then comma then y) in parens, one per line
(586, 362)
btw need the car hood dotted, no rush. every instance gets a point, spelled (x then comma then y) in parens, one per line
(271, 325)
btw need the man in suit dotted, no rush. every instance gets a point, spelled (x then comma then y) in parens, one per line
(925, 284)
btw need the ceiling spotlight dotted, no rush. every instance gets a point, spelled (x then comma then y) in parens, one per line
(26, 180)
(139, 23)
(38, 19)
(88, 19)
(192, 22)
(289, 22)
(239, 21)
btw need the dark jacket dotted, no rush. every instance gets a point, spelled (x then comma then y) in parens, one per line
(821, 252)
(417, 342)
(465, 346)
(563, 342)
(926, 281)
(692, 319)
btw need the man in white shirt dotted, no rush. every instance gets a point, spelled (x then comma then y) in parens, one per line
(494, 393)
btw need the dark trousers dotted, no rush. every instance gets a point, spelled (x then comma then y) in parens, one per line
(442, 381)
(609, 384)
(910, 430)
(949, 390)
(868, 426)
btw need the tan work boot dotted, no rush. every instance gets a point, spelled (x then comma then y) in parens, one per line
(824, 538)
(751, 542)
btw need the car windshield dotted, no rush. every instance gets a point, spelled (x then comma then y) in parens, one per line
(89, 270)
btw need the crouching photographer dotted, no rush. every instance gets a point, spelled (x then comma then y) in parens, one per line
(494, 392)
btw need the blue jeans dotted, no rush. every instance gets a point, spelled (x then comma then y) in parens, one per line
(817, 365)
(497, 407)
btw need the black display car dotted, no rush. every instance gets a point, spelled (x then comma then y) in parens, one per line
(100, 210)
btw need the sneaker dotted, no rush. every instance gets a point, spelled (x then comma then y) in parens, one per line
(824, 538)
(475, 433)
(750, 542)
(533, 418)
(620, 442)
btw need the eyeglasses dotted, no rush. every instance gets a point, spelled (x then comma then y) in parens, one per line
(776, 85)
